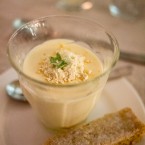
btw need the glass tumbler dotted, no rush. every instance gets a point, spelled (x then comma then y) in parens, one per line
(63, 106)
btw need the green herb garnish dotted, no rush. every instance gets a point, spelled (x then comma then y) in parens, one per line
(58, 62)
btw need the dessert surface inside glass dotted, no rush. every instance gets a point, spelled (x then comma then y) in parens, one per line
(62, 61)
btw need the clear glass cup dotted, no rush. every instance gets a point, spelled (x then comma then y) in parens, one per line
(63, 106)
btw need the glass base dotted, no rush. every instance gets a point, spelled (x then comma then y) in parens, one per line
(63, 129)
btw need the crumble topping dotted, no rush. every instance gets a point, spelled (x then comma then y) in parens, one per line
(64, 67)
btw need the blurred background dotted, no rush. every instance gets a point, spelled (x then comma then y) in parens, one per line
(124, 18)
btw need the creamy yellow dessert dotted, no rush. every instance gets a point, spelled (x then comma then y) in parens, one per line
(62, 62)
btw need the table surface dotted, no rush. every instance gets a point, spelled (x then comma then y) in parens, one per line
(129, 33)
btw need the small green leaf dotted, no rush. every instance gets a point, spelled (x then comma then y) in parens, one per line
(62, 64)
(52, 60)
(58, 62)
(58, 56)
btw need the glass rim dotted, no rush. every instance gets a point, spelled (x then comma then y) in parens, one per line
(115, 57)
